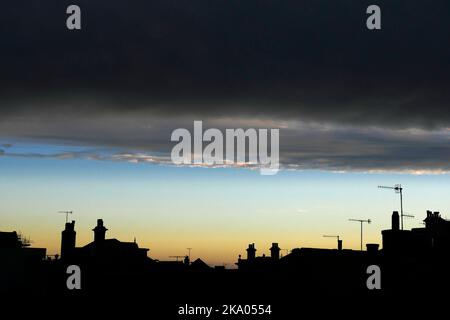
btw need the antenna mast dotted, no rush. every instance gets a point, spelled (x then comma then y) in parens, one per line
(368, 221)
(67, 214)
(398, 189)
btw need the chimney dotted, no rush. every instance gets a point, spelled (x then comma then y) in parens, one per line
(275, 251)
(395, 221)
(68, 237)
(251, 252)
(99, 231)
(340, 245)
(372, 247)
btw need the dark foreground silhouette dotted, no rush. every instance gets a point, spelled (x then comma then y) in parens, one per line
(412, 263)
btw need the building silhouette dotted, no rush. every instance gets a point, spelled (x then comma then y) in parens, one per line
(20, 265)
(259, 263)
(102, 251)
(111, 266)
(434, 237)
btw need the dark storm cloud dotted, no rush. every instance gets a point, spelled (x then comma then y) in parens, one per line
(283, 59)
(345, 97)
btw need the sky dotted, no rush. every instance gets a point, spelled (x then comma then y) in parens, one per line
(86, 118)
(217, 212)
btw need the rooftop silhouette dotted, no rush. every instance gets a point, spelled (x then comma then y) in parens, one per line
(112, 267)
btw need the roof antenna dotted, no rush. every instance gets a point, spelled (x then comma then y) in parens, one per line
(67, 214)
(361, 221)
(398, 189)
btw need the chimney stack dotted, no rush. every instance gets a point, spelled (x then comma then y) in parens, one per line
(340, 245)
(395, 221)
(372, 247)
(68, 238)
(99, 232)
(251, 252)
(275, 251)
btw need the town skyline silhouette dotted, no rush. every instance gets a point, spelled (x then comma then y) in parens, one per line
(417, 242)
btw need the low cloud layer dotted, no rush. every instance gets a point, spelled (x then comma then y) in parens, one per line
(303, 145)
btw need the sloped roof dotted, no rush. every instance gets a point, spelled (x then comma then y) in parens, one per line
(199, 264)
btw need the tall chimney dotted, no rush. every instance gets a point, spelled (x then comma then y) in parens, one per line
(275, 251)
(395, 221)
(339, 245)
(68, 238)
(251, 252)
(99, 231)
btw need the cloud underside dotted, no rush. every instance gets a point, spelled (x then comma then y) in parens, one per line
(303, 145)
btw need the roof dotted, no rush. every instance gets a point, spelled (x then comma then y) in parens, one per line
(9, 240)
(115, 244)
(199, 264)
